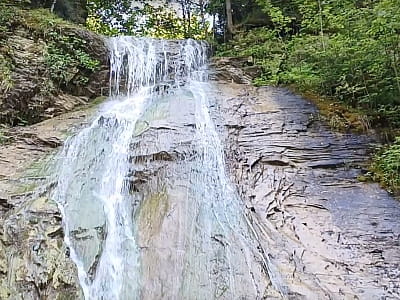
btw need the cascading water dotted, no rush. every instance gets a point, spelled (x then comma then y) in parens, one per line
(148, 209)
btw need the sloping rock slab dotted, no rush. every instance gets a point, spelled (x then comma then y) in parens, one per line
(327, 235)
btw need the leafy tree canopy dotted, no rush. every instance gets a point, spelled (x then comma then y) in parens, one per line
(111, 17)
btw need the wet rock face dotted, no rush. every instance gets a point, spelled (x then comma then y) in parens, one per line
(234, 69)
(326, 234)
(168, 69)
(34, 261)
(30, 94)
(33, 255)
(187, 248)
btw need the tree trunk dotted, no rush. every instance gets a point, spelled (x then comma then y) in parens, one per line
(202, 14)
(214, 27)
(184, 17)
(321, 25)
(189, 16)
(230, 27)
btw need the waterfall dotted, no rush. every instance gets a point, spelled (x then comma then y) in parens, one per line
(177, 232)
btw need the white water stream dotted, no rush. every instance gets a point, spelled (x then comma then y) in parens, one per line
(93, 189)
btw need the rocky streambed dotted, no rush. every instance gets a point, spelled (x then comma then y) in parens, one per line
(309, 230)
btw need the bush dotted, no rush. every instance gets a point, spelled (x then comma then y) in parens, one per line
(67, 60)
(386, 167)
(9, 16)
(6, 82)
(357, 63)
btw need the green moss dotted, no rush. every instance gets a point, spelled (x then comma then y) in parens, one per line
(26, 188)
(60, 52)
(339, 116)
(97, 101)
(67, 58)
(9, 16)
(153, 211)
(42, 21)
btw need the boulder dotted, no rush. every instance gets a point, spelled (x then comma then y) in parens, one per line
(234, 69)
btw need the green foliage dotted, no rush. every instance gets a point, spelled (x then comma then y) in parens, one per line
(66, 57)
(158, 21)
(341, 49)
(67, 60)
(245, 14)
(110, 17)
(41, 21)
(344, 50)
(8, 17)
(6, 81)
(279, 19)
(386, 167)
(388, 114)
(71, 10)
(264, 46)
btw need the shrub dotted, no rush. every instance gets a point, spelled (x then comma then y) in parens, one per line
(386, 167)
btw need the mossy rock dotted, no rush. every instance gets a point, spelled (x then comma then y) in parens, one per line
(45, 60)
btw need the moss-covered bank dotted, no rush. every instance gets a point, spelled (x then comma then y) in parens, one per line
(47, 65)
